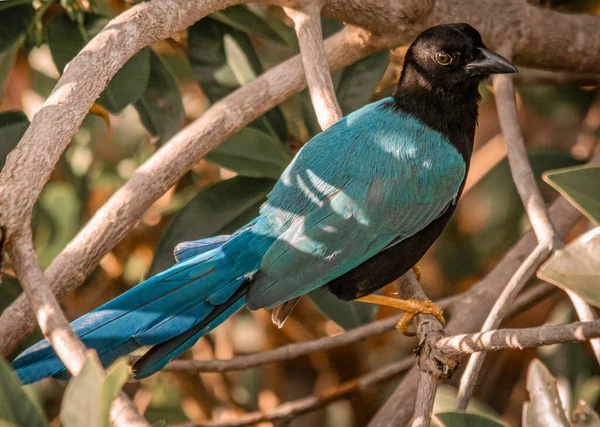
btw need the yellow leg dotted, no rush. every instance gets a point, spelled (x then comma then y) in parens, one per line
(410, 307)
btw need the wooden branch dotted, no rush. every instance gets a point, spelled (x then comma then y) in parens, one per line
(122, 211)
(55, 326)
(471, 311)
(433, 364)
(522, 275)
(295, 350)
(519, 162)
(290, 410)
(519, 338)
(88, 74)
(451, 346)
(307, 22)
(540, 220)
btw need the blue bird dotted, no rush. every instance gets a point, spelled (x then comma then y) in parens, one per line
(358, 206)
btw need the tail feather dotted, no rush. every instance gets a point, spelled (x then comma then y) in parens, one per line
(157, 310)
(159, 355)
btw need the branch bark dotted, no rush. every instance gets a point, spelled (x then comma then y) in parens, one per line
(519, 338)
(290, 410)
(433, 365)
(307, 22)
(471, 312)
(548, 239)
(88, 74)
(122, 211)
(55, 326)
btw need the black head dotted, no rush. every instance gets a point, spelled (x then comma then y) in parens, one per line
(451, 56)
(440, 79)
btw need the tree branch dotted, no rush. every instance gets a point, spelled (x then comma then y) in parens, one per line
(433, 364)
(540, 220)
(89, 73)
(472, 311)
(54, 325)
(290, 410)
(307, 22)
(519, 338)
(122, 211)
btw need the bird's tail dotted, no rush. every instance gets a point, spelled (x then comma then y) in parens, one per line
(165, 315)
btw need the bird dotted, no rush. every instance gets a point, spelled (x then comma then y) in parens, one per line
(357, 207)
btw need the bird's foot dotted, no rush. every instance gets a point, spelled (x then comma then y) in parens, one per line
(411, 307)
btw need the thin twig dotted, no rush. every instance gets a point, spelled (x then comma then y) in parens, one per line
(519, 338)
(295, 350)
(519, 164)
(548, 240)
(455, 345)
(307, 22)
(433, 364)
(522, 275)
(123, 210)
(292, 409)
(471, 311)
(55, 326)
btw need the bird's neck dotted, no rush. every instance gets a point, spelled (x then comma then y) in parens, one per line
(451, 112)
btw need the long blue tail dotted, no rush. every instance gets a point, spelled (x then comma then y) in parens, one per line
(166, 314)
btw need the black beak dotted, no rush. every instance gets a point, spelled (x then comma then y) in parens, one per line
(490, 63)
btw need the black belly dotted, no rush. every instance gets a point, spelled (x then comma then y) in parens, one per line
(389, 265)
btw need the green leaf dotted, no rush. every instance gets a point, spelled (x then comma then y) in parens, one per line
(89, 395)
(215, 74)
(14, 21)
(251, 152)
(347, 314)
(116, 376)
(544, 407)
(81, 402)
(576, 267)
(240, 18)
(584, 416)
(463, 419)
(219, 209)
(238, 61)
(7, 4)
(160, 107)
(16, 408)
(13, 125)
(61, 202)
(359, 81)
(127, 86)
(579, 185)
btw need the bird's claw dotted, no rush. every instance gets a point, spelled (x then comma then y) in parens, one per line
(415, 306)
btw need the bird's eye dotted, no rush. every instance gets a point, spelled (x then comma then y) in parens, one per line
(443, 58)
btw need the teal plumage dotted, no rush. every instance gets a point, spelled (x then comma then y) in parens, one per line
(358, 206)
(377, 177)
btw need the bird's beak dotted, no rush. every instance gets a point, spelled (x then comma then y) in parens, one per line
(490, 63)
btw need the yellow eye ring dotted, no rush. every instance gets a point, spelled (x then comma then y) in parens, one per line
(443, 58)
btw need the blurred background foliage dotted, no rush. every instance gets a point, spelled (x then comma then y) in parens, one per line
(170, 84)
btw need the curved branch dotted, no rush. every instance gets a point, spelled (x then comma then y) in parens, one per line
(307, 21)
(472, 311)
(29, 165)
(290, 410)
(519, 338)
(54, 325)
(34, 158)
(122, 211)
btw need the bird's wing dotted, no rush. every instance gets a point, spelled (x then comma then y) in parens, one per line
(391, 182)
